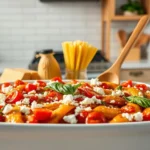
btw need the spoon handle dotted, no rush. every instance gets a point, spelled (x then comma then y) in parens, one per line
(132, 40)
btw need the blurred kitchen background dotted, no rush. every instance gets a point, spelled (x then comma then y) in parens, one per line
(27, 26)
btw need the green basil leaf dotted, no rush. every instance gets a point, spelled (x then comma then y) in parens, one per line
(63, 88)
(141, 101)
(119, 87)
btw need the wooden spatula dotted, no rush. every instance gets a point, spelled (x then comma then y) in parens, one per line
(113, 73)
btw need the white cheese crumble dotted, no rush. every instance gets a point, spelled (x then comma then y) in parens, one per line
(88, 101)
(95, 82)
(18, 103)
(112, 101)
(26, 101)
(35, 105)
(45, 94)
(70, 119)
(136, 116)
(7, 89)
(117, 93)
(32, 92)
(24, 109)
(68, 100)
(81, 108)
(8, 108)
(88, 109)
(148, 92)
(40, 96)
(140, 94)
(2, 99)
(99, 90)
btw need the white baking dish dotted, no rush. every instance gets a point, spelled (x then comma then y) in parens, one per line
(123, 136)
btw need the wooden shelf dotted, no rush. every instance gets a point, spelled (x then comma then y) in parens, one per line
(126, 18)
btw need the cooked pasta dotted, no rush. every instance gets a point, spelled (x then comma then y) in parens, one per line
(74, 102)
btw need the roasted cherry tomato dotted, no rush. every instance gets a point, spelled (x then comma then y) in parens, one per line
(14, 97)
(82, 116)
(58, 79)
(30, 87)
(146, 114)
(89, 93)
(33, 98)
(104, 86)
(18, 82)
(128, 109)
(42, 114)
(141, 87)
(41, 83)
(2, 118)
(79, 99)
(53, 95)
(95, 117)
(127, 83)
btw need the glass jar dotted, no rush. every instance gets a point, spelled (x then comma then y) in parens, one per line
(71, 74)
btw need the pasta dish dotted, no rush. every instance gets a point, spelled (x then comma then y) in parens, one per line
(74, 102)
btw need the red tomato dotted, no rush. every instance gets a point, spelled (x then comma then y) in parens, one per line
(79, 99)
(146, 114)
(41, 83)
(2, 118)
(14, 97)
(86, 85)
(53, 95)
(30, 87)
(42, 114)
(6, 84)
(104, 86)
(128, 109)
(18, 82)
(82, 116)
(127, 83)
(89, 93)
(33, 98)
(141, 87)
(57, 79)
(95, 117)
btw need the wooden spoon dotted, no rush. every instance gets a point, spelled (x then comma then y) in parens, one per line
(113, 73)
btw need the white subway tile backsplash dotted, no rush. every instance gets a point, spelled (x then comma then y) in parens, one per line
(29, 25)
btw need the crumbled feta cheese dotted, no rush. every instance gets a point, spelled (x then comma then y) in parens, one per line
(129, 86)
(117, 93)
(78, 96)
(140, 94)
(26, 101)
(99, 90)
(88, 109)
(8, 108)
(40, 96)
(35, 105)
(95, 82)
(88, 101)
(128, 116)
(70, 119)
(32, 92)
(24, 109)
(7, 89)
(148, 92)
(45, 94)
(112, 101)
(68, 100)
(2, 99)
(18, 103)
(138, 116)
(25, 95)
(78, 110)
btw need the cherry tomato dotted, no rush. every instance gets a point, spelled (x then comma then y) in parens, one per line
(86, 85)
(33, 98)
(57, 79)
(14, 97)
(79, 99)
(41, 83)
(104, 86)
(6, 84)
(95, 117)
(89, 93)
(127, 83)
(42, 114)
(2, 118)
(82, 116)
(30, 87)
(18, 82)
(141, 87)
(146, 114)
(53, 95)
(128, 109)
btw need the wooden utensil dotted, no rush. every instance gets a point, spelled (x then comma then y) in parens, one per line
(113, 73)
(122, 36)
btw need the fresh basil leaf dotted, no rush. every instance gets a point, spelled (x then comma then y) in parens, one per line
(63, 88)
(141, 101)
(119, 87)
